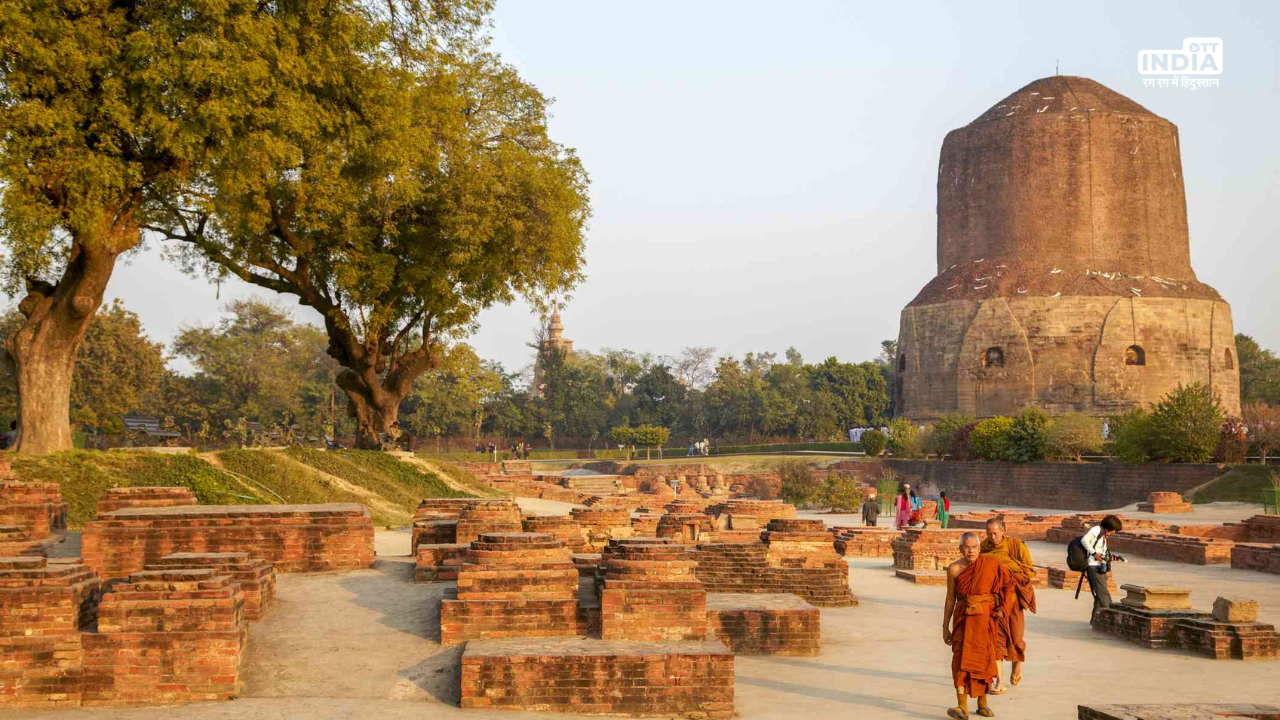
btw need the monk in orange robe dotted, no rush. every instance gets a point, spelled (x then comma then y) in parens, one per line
(1016, 558)
(978, 589)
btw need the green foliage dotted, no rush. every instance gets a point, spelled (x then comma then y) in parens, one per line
(873, 443)
(1130, 436)
(905, 439)
(990, 438)
(1029, 436)
(1074, 435)
(1186, 424)
(841, 493)
(943, 434)
(1259, 371)
(799, 484)
(1242, 483)
(622, 435)
(886, 490)
(118, 370)
(85, 475)
(651, 436)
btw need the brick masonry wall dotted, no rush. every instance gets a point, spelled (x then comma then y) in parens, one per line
(579, 675)
(1068, 486)
(293, 538)
(143, 497)
(764, 624)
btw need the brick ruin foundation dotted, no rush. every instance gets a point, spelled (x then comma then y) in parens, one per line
(33, 517)
(293, 538)
(602, 524)
(144, 497)
(865, 542)
(1248, 545)
(922, 555)
(651, 593)
(1162, 617)
(257, 578)
(1165, 503)
(774, 624)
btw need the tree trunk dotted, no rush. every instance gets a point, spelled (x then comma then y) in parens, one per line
(44, 349)
(374, 408)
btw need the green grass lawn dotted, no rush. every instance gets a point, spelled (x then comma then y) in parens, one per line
(1242, 483)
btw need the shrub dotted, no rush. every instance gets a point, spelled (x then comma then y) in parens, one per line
(1263, 422)
(873, 442)
(1029, 439)
(1185, 425)
(1074, 435)
(765, 487)
(904, 439)
(842, 494)
(799, 486)
(961, 444)
(1131, 436)
(886, 490)
(990, 438)
(942, 434)
(1233, 442)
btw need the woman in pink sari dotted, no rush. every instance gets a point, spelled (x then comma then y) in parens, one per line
(902, 509)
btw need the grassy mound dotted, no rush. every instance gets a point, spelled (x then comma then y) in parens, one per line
(85, 475)
(392, 479)
(1242, 483)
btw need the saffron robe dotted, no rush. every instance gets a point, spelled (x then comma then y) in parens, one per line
(1016, 558)
(982, 590)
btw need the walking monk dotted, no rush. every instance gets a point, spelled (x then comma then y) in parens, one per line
(1016, 558)
(978, 590)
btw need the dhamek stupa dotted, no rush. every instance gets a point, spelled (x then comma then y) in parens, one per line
(1064, 266)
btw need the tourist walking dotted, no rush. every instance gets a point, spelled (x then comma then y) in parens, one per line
(978, 591)
(1013, 554)
(1095, 543)
(944, 509)
(916, 506)
(902, 508)
(870, 513)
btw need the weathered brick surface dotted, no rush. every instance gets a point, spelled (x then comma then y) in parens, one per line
(580, 675)
(650, 592)
(1063, 578)
(865, 542)
(1174, 548)
(602, 524)
(645, 525)
(1256, 556)
(689, 529)
(436, 562)
(1165, 503)
(512, 585)
(487, 516)
(1023, 526)
(745, 568)
(1073, 486)
(256, 577)
(39, 598)
(1190, 630)
(144, 497)
(762, 510)
(776, 624)
(428, 531)
(293, 538)
(37, 512)
(561, 527)
(926, 549)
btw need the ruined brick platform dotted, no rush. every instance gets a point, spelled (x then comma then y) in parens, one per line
(922, 577)
(512, 585)
(1205, 711)
(1256, 556)
(689, 529)
(438, 562)
(602, 524)
(561, 527)
(651, 593)
(487, 516)
(293, 538)
(1173, 548)
(581, 675)
(926, 549)
(1157, 618)
(763, 510)
(166, 636)
(1024, 526)
(144, 497)
(256, 576)
(752, 624)
(33, 517)
(1165, 503)
(746, 568)
(865, 542)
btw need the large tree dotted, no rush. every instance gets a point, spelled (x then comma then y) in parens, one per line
(397, 178)
(105, 108)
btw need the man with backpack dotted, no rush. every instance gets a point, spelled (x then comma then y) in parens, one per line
(1096, 559)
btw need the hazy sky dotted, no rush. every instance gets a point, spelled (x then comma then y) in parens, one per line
(763, 173)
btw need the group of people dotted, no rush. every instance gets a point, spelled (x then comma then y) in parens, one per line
(699, 447)
(989, 591)
(908, 509)
(519, 451)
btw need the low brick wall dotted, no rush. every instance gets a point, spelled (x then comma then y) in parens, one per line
(144, 497)
(1256, 556)
(581, 675)
(1174, 548)
(1069, 486)
(764, 624)
(293, 538)
(745, 568)
(256, 577)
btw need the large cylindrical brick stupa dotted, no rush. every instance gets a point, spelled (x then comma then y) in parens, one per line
(1064, 266)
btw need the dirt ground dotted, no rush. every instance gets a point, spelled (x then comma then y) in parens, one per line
(365, 644)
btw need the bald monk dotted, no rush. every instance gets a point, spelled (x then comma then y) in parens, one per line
(978, 588)
(1016, 558)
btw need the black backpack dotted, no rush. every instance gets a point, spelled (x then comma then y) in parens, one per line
(1077, 555)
